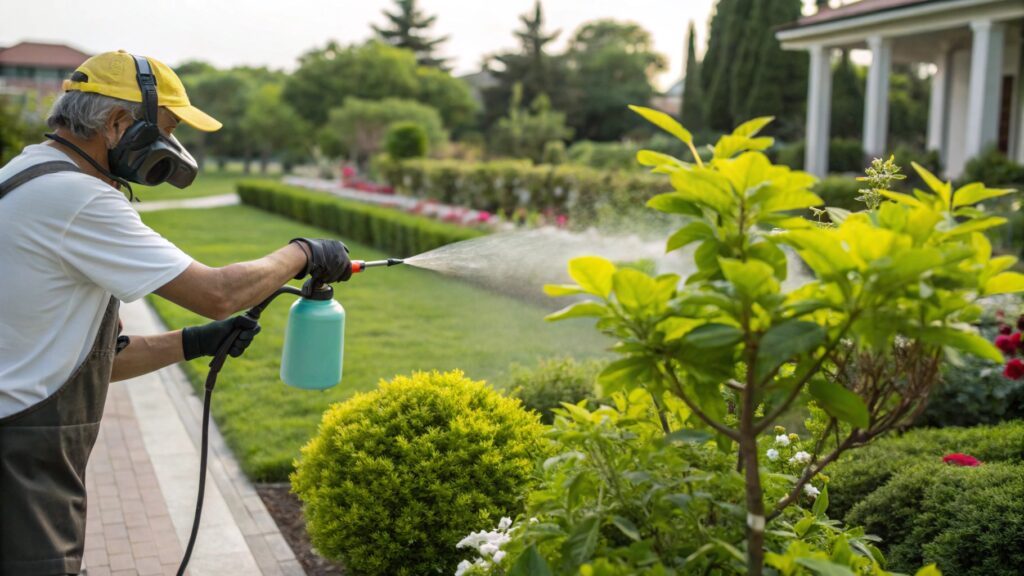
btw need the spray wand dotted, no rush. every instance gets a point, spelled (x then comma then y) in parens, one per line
(311, 358)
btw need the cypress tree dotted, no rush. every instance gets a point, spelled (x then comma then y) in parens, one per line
(407, 28)
(729, 25)
(692, 112)
(847, 99)
(779, 77)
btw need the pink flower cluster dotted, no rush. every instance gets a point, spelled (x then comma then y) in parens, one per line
(958, 459)
(1009, 342)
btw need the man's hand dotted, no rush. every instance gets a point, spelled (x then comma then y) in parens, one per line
(206, 340)
(326, 260)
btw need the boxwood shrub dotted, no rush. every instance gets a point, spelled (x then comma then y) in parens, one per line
(386, 229)
(395, 478)
(867, 469)
(543, 388)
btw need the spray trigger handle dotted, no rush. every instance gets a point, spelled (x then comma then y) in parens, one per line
(315, 291)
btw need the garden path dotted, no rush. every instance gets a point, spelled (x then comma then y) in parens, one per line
(142, 481)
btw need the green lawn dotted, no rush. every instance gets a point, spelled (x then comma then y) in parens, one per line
(399, 320)
(207, 183)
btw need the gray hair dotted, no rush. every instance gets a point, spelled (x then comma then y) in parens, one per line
(85, 113)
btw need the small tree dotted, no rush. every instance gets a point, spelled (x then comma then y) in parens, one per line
(407, 28)
(525, 133)
(891, 290)
(358, 128)
(406, 140)
(274, 126)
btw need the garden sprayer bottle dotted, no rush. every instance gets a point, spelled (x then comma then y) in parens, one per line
(314, 343)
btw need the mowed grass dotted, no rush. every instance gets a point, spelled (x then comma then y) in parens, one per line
(207, 183)
(399, 320)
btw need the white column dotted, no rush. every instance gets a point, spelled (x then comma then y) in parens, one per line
(876, 101)
(985, 86)
(819, 108)
(938, 107)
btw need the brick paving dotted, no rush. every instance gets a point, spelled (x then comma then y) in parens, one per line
(129, 529)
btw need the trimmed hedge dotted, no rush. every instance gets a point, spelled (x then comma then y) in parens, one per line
(864, 470)
(386, 229)
(503, 186)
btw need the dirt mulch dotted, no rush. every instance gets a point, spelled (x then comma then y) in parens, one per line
(287, 512)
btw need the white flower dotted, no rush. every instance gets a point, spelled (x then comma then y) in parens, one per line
(488, 549)
(800, 457)
(499, 555)
(474, 540)
(782, 440)
(462, 567)
(773, 454)
(811, 491)
(505, 524)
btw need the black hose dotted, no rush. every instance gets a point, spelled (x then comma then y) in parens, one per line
(211, 380)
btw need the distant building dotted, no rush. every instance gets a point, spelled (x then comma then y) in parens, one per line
(37, 67)
(670, 101)
(479, 82)
(975, 46)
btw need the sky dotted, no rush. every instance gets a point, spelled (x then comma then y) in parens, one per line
(275, 33)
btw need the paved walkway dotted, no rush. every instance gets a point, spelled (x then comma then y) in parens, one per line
(200, 202)
(142, 481)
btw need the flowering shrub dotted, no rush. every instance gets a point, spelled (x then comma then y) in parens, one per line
(892, 290)
(396, 477)
(961, 460)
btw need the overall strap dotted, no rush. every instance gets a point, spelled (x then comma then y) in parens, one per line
(36, 171)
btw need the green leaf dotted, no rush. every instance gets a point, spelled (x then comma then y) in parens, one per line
(689, 435)
(837, 215)
(673, 203)
(821, 503)
(676, 327)
(665, 122)
(964, 341)
(824, 567)
(562, 289)
(582, 542)
(840, 402)
(938, 186)
(929, 570)
(692, 232)
(578, 310)
(634, 289)
(623, 374)
(1005, 283)
(976, 192)
(713, 335)
(593, 274)
(751, 279)
(750, 128)
(626, 526)
(530, 563)
(769, 253)
(783, 342)
(652, 158)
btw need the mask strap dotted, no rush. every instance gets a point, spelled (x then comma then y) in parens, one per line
(95, 164)
(147, 87)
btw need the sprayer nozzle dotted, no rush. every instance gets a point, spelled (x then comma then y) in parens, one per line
(360, 265)
(395, 261)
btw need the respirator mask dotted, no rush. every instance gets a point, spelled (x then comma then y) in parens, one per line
(143, 154)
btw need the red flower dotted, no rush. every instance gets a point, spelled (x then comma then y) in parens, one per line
(1014, 369)
(1004, 343)
(961, 459)
(1005, 329)
(1015, 340)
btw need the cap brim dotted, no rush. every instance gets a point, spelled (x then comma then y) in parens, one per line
(195, 118)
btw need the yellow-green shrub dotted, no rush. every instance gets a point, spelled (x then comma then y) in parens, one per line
(396, 477)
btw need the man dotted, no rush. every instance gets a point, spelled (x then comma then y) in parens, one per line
(71, 248)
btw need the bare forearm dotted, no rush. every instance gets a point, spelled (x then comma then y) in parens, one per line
(249, 283)
(145, 354)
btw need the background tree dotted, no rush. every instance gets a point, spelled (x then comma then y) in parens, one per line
(357, 128)
(693, 108)
(531, 67)
(724, 46)
(769, 80)
(450, 95)
(225, 95)
(612, 63)
(274, 127)
(909, 94)
(19, 127)
(408, 28)
(526, 133)
(847, 99)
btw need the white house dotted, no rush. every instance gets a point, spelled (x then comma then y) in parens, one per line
(975, 46)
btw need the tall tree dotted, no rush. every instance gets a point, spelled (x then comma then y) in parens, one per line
(612, 65)
(408, 28)
(693, 107)
(531, 67)
(847, 99)
(771, 81)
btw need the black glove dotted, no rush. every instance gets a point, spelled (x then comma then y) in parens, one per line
(326, 260)
(205, 340)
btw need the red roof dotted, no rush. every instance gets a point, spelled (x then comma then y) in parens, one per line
(40, 55)
(861, 8)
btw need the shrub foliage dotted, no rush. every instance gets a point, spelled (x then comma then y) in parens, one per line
(396, 477)
(543, 388)
(383, 228)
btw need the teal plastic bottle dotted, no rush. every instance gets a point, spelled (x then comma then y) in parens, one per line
(314, 342)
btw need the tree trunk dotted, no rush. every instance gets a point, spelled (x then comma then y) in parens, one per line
(755, 495)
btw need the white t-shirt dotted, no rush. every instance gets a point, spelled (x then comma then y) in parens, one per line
(67, 242)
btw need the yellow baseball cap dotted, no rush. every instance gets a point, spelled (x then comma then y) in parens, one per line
(113, 74)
